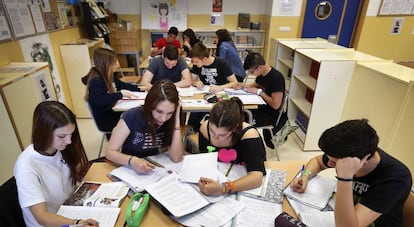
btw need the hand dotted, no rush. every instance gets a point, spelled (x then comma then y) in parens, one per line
(141, 165)
(214, 88)
(209, 186)
(199, 84)
(238, 86)
(251, 90)
(187, 44)
(299, 184)
(347, 167)
(89, 222)
(128, 94)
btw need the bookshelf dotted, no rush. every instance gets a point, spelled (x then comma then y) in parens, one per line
(94, 20)
(383, 92)
(318, 90)
(77, 61)
(244, 39)
(285, 49)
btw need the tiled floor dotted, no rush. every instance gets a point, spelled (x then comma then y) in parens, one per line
(91, 139)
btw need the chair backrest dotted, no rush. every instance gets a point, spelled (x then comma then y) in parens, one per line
(10, 211)
(283, 107)
(91, 112)
(408, 211)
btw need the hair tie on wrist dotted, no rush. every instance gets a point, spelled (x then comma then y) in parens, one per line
(344, 179)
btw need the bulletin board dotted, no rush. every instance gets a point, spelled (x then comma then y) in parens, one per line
(396, 8)
(162, 14)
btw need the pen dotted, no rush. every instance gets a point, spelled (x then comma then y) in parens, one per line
(302, 170)
(228, 170)
(73, 225)
(157, 164)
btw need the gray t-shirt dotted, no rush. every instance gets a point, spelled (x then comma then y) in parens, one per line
(160, 71)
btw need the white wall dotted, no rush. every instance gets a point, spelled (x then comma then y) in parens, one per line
(230, 7)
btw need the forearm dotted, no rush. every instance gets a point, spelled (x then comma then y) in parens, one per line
(252, 180)
(176, 150)
(183, 83)
(117, 157)
(314, 166)
(344, 206)
(46, 218)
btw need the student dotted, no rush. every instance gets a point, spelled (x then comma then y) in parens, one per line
(100, 91)
(170, 66)
(47, 171)
(227, 50)
(142, 131)
(270, 85)
(189, 39)
(372, 185)
(226, 129)
(208, 70)
(171, 39)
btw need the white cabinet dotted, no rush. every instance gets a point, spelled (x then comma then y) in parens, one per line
(285, 49)
(76, 58)
(318, 90)
(23, 86)
(383, 92)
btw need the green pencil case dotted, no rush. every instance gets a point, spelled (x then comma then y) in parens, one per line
(136, 209)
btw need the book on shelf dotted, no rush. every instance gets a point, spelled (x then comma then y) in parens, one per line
(314, 69)
(302, 121)
(309, 95)
(244, 20)
(319, 191)
(99, 201)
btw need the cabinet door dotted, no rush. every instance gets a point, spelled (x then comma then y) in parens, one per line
(9, 146)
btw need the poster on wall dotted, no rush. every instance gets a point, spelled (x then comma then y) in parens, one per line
(39, 49)
(162, 14)
(5, 33)
(20, 18)
(43, 86)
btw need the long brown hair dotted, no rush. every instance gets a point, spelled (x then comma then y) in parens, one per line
(47, 117)
(161, 91)
(229, 114)
(223, 35)
(103, 60)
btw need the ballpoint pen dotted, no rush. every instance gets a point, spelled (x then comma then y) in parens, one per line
(302, 170)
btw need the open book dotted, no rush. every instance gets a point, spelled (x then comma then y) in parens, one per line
(99, 201)
(318, 192)
(94, 194)
(246, 97)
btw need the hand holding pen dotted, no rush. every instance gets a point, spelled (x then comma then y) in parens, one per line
(299, 184)
(84, 223)
(140, 165)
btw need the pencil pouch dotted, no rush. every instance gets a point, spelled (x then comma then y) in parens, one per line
(136, 209)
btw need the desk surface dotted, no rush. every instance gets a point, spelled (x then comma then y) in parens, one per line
(154, 216)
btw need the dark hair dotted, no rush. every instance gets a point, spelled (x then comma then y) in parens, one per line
(163, 90)
(161, 6)
(229, 114)
(47, 117)
(103, 60)
(171, 52)
(200, 51)
(191, 35)
(253, 60)
(223, 36)
(173, 30)
(352, 138)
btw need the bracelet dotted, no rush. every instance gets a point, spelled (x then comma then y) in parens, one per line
(177, 128)
(76, 221)
(344, 179)
(231, 185)
(307, 173)
(259, 91)
(129, 160)
(223, 188)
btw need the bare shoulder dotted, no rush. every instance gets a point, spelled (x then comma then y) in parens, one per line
(250, 133)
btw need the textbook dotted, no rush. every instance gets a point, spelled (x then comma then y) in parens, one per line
(95, 194)
(137, 181)
(318, 192)
(99, 201)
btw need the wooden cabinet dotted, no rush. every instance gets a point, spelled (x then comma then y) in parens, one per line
(285, 49)
(23, 86)
(76, 58)
(127, 44)
(383, 92)
(318, 90)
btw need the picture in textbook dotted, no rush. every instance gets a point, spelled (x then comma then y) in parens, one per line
(95, 194)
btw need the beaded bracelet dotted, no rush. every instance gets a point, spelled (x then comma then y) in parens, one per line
(307, 173)
(231, 185)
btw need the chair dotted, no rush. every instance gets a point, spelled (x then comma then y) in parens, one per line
(408, 211)
(10, 210)
(104, 133)
(275, 139)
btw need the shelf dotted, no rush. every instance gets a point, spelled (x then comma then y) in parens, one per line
(303, 105)
(287, 61)
(308, 81)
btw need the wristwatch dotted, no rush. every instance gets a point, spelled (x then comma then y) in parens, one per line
(259, 92)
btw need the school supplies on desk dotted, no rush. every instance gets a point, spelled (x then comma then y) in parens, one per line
(318, 192)
(136, 209)
(271, 188)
